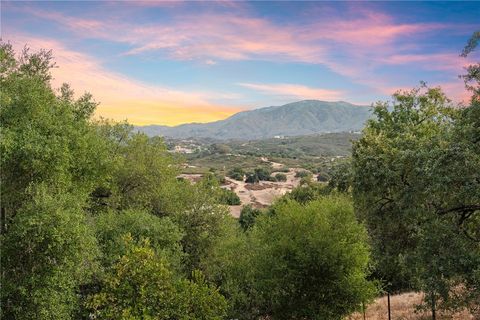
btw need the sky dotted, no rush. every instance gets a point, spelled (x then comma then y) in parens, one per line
(155, 62)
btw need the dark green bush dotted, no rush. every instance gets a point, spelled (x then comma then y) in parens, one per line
(236, 173)
(248, 216)
(229, 197)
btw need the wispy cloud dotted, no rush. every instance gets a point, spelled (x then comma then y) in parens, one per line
(437, 61)
(362, 46)
(121, 96)
(285, 90)
(233, 36)
(353, 45)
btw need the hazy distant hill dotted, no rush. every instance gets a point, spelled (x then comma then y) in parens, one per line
(293, 119)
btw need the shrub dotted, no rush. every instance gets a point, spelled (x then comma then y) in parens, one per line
(302, 174)
(323, 177)
(252, 178)
(248, 216)
(163, 233)
(305, 262)
(236, 173)
(47, 254)
(262, 174)
(141, 285)
(308, 192)
(229, 197)
(281, 177)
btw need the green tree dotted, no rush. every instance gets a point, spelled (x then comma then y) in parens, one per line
(228, 197)
(236, 173)
(141, 285)
(304, 262)
(341, 176)
(47, 254)
(281, 177)
(163, 234)
(251, 178)
(47, 136)
(415, 172)
(472, 77)
(145, 177)
(388, 178)
(307, 192)
(248, 215)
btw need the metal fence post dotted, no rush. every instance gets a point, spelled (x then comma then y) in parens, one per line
(433, 307)
(388, 300)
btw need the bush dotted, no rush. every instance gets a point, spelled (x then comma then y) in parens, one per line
(229, 197)
(305, 262)
(323, 177)
(281, 177)
(262, 174)
(259, 174)
(236, 173)
(141, 285)
(252, 178)
(219, 148)
(302, 174)
(47, 254)
(163, 233)
(308, 192)
(248, 216)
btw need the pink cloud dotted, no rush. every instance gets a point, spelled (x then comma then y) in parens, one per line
(438, 61)
(236, 37)
(364, 39)
(121, 96)
(295, 91)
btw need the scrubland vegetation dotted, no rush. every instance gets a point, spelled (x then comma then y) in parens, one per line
(96, 225)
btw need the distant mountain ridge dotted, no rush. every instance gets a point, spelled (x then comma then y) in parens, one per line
(292, 119)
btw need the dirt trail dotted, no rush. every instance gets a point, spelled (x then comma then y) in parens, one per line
(275, 165)
(262, 194)
(258, 195)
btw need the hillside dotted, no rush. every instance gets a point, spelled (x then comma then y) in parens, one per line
(293, 119)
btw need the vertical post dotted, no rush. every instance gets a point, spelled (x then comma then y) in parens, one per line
(388, 301)
(363, 308)
(433, 307)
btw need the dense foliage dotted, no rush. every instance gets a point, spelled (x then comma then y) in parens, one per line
(95, 223)
(72, 188)
(236, 173)
(416, 184)
(303, 262)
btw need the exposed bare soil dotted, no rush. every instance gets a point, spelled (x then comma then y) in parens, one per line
(261, 194)
(258, 195)
(403, 307)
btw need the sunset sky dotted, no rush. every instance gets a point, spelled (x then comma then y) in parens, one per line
(177, 62)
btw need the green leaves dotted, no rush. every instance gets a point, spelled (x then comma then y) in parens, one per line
(141, 285)
(47, 253)
(44, 140)
(302, 262)
(416, 183)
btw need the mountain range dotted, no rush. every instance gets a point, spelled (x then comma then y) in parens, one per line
(293, 119)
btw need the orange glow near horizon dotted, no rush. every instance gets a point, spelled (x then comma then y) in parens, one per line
(142, 113)
(122, 98)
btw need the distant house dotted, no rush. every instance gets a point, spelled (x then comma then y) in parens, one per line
(180, 149)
